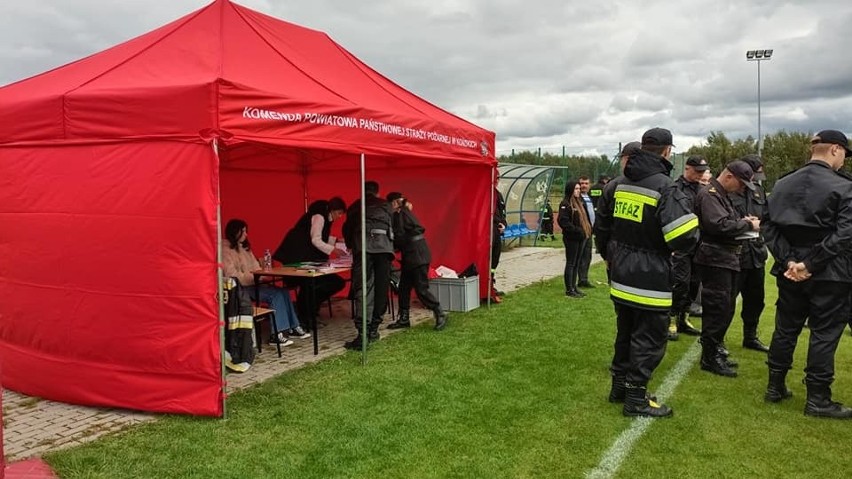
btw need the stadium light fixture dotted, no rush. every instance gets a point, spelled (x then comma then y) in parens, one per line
(759, 56)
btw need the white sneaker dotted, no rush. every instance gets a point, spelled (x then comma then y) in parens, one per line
(299, 333)
(281, 339)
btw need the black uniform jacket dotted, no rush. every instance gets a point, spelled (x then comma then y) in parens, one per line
(595, 193)
(379, 226)
(605, 204)
(499, 211)
(752, 203)
(643, 219)
(689, 190)
(409, 240)
(810, 220)
(682, 261)
(720, 225)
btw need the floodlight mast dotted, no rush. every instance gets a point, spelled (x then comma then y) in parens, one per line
(759, 56)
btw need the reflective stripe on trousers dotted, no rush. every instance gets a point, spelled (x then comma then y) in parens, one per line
(647, 297)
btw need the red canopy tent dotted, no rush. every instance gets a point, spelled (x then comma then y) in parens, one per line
(112, 170)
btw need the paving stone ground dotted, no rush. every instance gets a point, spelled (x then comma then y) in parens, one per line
(34, 426)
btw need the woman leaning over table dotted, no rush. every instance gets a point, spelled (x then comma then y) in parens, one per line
(576, 230)
(239, 261)
(310, 240)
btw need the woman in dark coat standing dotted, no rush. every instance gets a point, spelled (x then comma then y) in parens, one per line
(576, 230)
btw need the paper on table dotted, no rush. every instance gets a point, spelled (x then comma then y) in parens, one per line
(310, 265)
(341, 262)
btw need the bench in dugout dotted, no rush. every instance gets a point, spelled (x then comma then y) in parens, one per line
(517, 232)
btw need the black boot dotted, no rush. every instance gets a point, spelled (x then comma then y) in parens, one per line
(576, 293)
(726, 355)
(617, 391)
(750, 339)
(712, 359)
(685, 327)
(777, 390)
(440, 318)
(402, 321)
(637, 403)
(355, 344)
(755, 344)
(819, 403)
(373, 330)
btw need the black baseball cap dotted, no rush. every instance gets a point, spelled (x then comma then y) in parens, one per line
(742, 171)
(755, 163)
(834, 137)
(698, 163)
(657, 136)
(631, 148)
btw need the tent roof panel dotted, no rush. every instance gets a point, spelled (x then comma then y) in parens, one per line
(233, 60)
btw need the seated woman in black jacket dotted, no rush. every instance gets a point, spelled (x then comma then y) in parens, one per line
(576, 230)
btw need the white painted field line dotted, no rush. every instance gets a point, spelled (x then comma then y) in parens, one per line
(612, 459)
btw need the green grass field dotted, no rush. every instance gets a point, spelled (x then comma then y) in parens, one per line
(518, 391)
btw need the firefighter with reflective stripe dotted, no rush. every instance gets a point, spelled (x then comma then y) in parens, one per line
(717, 257)
(752, 277)
(379, 248)
(596, 190)
(647, 220)
(809, 231)
(684, 283)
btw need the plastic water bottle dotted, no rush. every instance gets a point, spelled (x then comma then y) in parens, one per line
(267, 260)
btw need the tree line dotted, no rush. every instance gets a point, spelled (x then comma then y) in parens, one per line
(782, 152)
(570, 167)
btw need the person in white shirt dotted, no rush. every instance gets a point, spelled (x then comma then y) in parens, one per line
(310, 240)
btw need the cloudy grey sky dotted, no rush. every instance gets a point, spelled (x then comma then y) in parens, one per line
(540, 73)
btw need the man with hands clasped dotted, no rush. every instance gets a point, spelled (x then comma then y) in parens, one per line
(808, 229)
